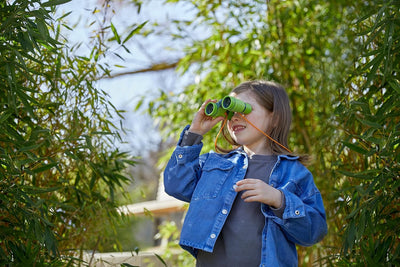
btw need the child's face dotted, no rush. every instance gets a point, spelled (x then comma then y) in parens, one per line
(246, 135)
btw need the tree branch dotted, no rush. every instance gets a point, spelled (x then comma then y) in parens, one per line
(155, 67)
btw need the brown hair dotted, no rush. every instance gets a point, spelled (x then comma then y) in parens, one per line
(273, 97)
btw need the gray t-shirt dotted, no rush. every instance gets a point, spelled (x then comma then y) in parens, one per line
(240, 241)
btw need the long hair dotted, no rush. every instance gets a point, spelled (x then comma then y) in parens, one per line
(273, 97)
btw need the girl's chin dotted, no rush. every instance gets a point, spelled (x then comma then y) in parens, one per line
(238, 141)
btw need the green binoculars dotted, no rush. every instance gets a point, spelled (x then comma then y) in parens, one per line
(227, 106)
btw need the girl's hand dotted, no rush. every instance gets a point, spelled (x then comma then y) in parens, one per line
(202, 123)
(258, 190)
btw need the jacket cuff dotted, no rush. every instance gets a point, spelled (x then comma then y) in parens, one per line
(279, 211)
(190, 139)
(184, 154)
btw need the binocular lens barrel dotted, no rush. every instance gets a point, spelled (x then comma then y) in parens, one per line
(215, 109)
(211, 108)
(235, 105)
(228, 105)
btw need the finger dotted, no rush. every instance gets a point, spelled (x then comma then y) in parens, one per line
(246, 194)
(244, 187)
(253, 184)
(208, 101)
(251, 199)
(203, 106)
(247, 181)
(218, 119)
(247, 185)
(250, 196)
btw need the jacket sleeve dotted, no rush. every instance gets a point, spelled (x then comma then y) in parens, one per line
(304, 220)
(183, 171)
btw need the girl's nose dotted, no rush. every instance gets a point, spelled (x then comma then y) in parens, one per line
(235, 116)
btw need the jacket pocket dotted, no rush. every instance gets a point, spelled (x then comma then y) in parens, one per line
(214, 174)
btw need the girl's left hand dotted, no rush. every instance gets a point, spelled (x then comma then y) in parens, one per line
(258, 190)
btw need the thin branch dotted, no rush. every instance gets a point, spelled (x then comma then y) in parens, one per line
(155, 67)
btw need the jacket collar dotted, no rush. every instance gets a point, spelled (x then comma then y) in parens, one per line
(240, 150)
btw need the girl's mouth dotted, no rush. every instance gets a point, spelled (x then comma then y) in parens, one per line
(238, 128)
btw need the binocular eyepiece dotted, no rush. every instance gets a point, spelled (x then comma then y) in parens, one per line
(227, 106)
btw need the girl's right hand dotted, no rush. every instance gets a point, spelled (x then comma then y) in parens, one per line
(202, 123)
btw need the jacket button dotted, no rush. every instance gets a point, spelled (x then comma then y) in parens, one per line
(180, 156)
(224, 211)
(213, 236)
(297, 212)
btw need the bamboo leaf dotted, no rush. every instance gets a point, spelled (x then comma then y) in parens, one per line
(42, 28)
(367, 174)
(370, 123)
(128, 265)
(39, 190)
(139, 104)
(54, 3)
(395, 85)
(134, 31)
(45, 167)
(31, 147)
(355, 148)
(5, 115)
(372, 66)
(161, 259)
(116, 35)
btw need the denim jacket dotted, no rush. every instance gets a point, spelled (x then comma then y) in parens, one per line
(206, 181)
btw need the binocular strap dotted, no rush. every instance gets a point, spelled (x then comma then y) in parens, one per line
(258, 129)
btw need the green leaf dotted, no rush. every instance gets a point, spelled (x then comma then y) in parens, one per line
(64, 16)
(134, 31)
(5, 115)
(161, 259)
(126, 49)
(31, 147)
(44, 167)
(355, 148)
(128, 265)
(42, 28)
(116, 35)
(26, 99)
(367, 174)
(93, 181)
(50, 241)
(395, 85)
(25, 41)
(54, 3)
(350, 236)
(88, 141)
(39, 190)
(374, 64)
(139, 104)
(370, 123)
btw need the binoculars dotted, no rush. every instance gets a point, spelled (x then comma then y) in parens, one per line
(227, 106)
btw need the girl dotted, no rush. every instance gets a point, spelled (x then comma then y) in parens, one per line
(249, 206)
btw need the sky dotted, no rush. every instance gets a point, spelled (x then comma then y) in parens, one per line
(126, 91)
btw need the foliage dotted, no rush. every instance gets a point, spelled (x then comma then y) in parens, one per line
(339, 63)
(59, 166)
(369, 114)
(170, 232)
